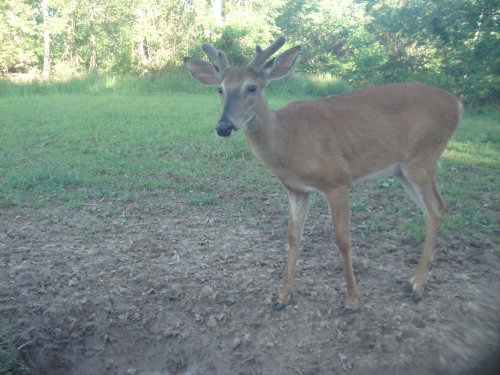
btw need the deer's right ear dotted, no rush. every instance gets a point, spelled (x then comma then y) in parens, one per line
(203, 71)
(280, 66)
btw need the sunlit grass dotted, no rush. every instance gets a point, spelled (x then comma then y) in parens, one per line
(295, 85)
(470, 153)
(477, 141)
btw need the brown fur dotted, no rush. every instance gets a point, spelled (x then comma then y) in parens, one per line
(324, 145)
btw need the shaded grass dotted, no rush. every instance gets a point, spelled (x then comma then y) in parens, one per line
(9, 363)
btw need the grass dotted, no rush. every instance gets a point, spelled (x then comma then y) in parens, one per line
(170, 82)
(80, 147)
(119, 139)
(116, 137)
(9, 364)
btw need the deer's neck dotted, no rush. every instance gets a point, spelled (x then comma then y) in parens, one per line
(268, 139)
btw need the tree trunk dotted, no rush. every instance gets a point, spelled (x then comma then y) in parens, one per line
(44, 5)
(93, 40)
(69, 52)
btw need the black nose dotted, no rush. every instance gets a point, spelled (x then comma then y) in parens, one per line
(224, 128)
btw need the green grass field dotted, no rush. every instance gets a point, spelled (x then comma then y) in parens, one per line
(64, 147)
(117, 140)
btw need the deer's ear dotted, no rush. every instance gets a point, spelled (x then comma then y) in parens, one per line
(203, 71)
(280, 66)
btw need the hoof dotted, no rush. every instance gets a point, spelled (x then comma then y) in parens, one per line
(408, 292)
(278, 306)
(348, 311)
(415, 299)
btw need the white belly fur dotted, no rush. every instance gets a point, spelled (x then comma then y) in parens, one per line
(386, 172)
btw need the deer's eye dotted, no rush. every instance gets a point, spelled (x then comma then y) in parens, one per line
(219, 90)
(252, 89)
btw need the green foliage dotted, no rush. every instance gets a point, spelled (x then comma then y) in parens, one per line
(17, 37)
(452, 44)
(230, 42)
(245, 27)
(334, 38)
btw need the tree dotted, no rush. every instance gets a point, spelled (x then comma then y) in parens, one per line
(44, 7)
(247, 23)
(17, 37)
(451, 43)
(93, 8)
(447, 42)
(103, 31)
(69, 53)
(334, 38)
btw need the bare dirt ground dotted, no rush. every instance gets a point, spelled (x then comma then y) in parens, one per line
(165, 288)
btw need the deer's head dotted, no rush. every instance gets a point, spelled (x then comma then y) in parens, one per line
(241, 89)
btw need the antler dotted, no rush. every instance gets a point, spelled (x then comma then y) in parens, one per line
(219, 57)
(262, 55)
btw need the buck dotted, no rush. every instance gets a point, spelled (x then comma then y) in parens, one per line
(324, 145)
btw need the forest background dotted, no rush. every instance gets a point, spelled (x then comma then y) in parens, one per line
(451, 43)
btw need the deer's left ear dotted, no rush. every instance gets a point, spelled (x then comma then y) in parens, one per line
(280, 66)
(203, 71)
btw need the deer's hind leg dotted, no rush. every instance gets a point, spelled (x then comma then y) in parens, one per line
(420, 183)
(338, 201)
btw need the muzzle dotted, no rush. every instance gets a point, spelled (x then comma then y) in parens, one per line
(224, 128)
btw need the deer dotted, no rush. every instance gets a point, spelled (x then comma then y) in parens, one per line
(324, 145)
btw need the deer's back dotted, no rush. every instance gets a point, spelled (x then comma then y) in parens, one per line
(370, 129)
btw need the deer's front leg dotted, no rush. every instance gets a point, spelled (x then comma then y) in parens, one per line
(298, 204)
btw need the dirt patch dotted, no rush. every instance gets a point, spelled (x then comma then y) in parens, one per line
(165, 288)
